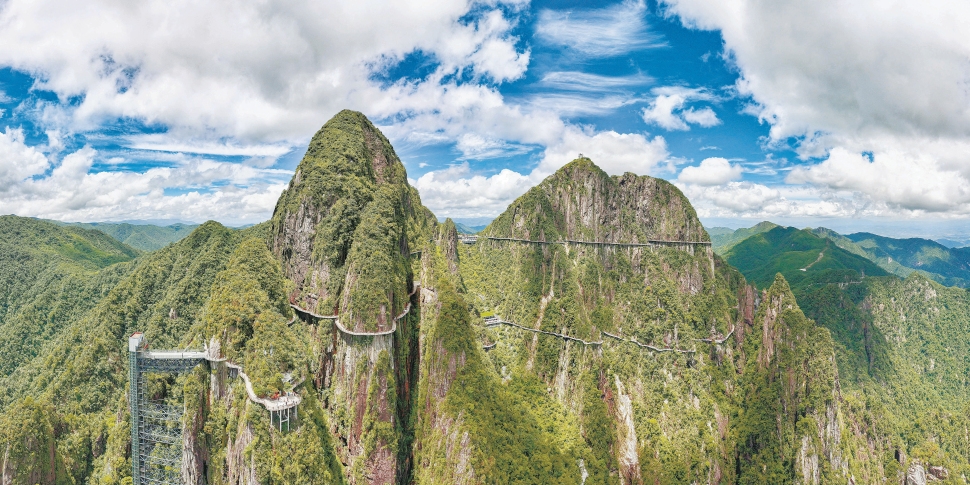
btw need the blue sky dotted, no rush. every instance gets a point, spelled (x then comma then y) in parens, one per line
(855, 117)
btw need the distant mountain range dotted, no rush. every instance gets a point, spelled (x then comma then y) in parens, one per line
(945, 265)
(146, 237)
(466, 229)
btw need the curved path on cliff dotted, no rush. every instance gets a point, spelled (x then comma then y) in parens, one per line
(493, 321)
(211, 354)
(346, 331)
(282, 403)
(649, 243)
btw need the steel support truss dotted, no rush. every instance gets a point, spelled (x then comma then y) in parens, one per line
(156, 427)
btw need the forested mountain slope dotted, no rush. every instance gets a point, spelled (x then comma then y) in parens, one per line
(589, 336)
(146, 237)
(50, 276)
(902, 345)
(805, 259)
(725, 238)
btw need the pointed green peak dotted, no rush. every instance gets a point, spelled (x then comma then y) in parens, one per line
(781, 290)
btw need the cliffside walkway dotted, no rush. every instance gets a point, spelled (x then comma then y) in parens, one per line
(494, 321)
(647, 244)
(647, 346)
(346, 331)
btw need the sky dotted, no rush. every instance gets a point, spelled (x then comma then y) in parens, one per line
(851, 115)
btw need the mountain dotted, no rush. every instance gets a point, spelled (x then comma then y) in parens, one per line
(947, 266)
(146, 237)
(465, 229)
(590, 335)
(901, 346)
(50, 275)
(804, 258)
(725, 238)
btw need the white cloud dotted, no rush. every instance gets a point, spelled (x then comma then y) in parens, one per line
(476, 147)
(162, 143)
(711, 171)
(893, 177)
(456, 192)
(267, 72)
(202, 189)
(616, 153)
(667, 109)
(891, 79)
(738, 197)
(704, 117)
(586, 82)
(17, 160)
(603, 32)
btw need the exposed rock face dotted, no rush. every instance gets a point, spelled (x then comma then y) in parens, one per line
(939, 472)
(239, 470)
(628, 453)
(581, 202)
(916, 475)
(348, 166)
(343, 231)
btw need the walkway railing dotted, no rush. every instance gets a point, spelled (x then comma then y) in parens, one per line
(648, 243)
(493, 321)
(346, 331)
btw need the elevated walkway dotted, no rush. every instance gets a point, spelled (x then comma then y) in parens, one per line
(156, 429)
(564, 242)
(346, 331)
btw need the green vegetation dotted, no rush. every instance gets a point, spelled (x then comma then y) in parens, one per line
(145, 237)
(950, 267)
(805, 259)
(835, 372)
(901, 348)
(723, 238)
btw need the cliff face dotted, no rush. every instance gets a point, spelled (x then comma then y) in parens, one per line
(613, 364)
(344, 232)
(581, 202)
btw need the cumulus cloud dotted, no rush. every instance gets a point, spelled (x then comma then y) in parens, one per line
(667, 109)
(34, 185)
(267, 71)
(846, 79)
(457, 192)
(711, 171)
(603, 32)
(914, 184)
(616, 153)
(17, 160)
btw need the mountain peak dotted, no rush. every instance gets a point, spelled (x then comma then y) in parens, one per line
(581, 202)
